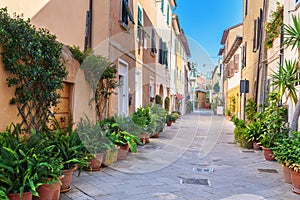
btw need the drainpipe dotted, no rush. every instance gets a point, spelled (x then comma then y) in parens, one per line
(91, 26)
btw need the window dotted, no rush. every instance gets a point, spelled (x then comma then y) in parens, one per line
(236, 63)
(257, 32)
(297, 1)
(163, 53)
(244, 55)
(168, 15)
(153, 43)
(140, 30)
(162, 6)
(126, 13)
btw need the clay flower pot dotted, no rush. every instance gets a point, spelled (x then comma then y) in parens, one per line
(123, 151)
(66, 181)
(95, 163)
(268, 153)
(169, 123)
(156, 135)
(286, 174)
(49, 191)
(256, 146)
(25, 196)
(295, 176)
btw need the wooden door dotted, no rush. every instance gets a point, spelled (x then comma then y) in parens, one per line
(62, 111)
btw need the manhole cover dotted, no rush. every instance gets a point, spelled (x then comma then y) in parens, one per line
(267, 171)
(194, 181)
(248, 151)
(198, 169)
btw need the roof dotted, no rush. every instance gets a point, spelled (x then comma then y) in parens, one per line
(221, 51)
(185, 44)
(238, 40)
(176, 24)
(226, 31)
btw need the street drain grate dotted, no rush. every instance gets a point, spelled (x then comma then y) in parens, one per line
(273, 171)
(199, 169)
(248, 151)
(228, 133)
(229, 142)
(194, 181)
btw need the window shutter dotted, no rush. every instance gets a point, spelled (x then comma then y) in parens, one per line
(153, 44)
(124, 12)
(227, 71)
(140, 16)
(255, 28)
(236, 63)
(160, 52)
(168, 17)
(231, 64)
(162, 6)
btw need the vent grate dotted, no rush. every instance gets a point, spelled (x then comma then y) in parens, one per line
(194, 181)
(273, 171)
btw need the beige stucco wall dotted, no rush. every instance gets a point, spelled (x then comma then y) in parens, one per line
(82, 96)
(8, 113)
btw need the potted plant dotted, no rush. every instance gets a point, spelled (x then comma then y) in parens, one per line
(27, 165)
(94, 138)
(160, 115)
(169, 120)
(142, 118)
(276, 125)
(124, 141)
(283, 153)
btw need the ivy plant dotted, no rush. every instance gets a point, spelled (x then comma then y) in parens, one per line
(33, 59)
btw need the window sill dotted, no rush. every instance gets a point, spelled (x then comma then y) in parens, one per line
(124, 26)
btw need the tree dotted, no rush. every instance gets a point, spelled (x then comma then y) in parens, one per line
(292, 39)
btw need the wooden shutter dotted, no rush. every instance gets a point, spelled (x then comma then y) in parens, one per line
(231, 66)
(236, 63)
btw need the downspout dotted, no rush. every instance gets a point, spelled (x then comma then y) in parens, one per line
(91, 26)
(265, 63)
(260, 53)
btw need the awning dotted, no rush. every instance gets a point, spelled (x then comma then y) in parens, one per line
(178, 97)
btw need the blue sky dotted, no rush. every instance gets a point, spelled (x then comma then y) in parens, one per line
(203, 23)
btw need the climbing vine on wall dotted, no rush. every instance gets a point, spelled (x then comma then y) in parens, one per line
(33, 59)
(273, 27)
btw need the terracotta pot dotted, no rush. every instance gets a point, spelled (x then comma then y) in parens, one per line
(286, 174)
(295, 176)
(116, 152)
(110, 157)
(268, 153)
(143, 139)
(49, 191)
(169, 123)
(147, 138)
(156, 135)
(95, 163)
(66, 181)
(123, 151)
(256, 146)
(25, 196)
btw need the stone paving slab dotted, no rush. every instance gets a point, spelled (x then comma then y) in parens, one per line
(199, 140)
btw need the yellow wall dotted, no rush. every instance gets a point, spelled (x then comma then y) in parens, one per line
(236, 93)
(250, 71)
(8, 113)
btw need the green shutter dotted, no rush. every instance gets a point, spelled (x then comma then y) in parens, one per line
(162, 6)
(140, 16)
(168, 17)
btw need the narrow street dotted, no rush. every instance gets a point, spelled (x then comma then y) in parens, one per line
(195, 158)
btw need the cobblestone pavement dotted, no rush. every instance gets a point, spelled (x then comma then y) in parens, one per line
(195, 158)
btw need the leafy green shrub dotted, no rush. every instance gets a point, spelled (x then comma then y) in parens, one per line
(158, 100)
(167, 104)
(33, 59)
